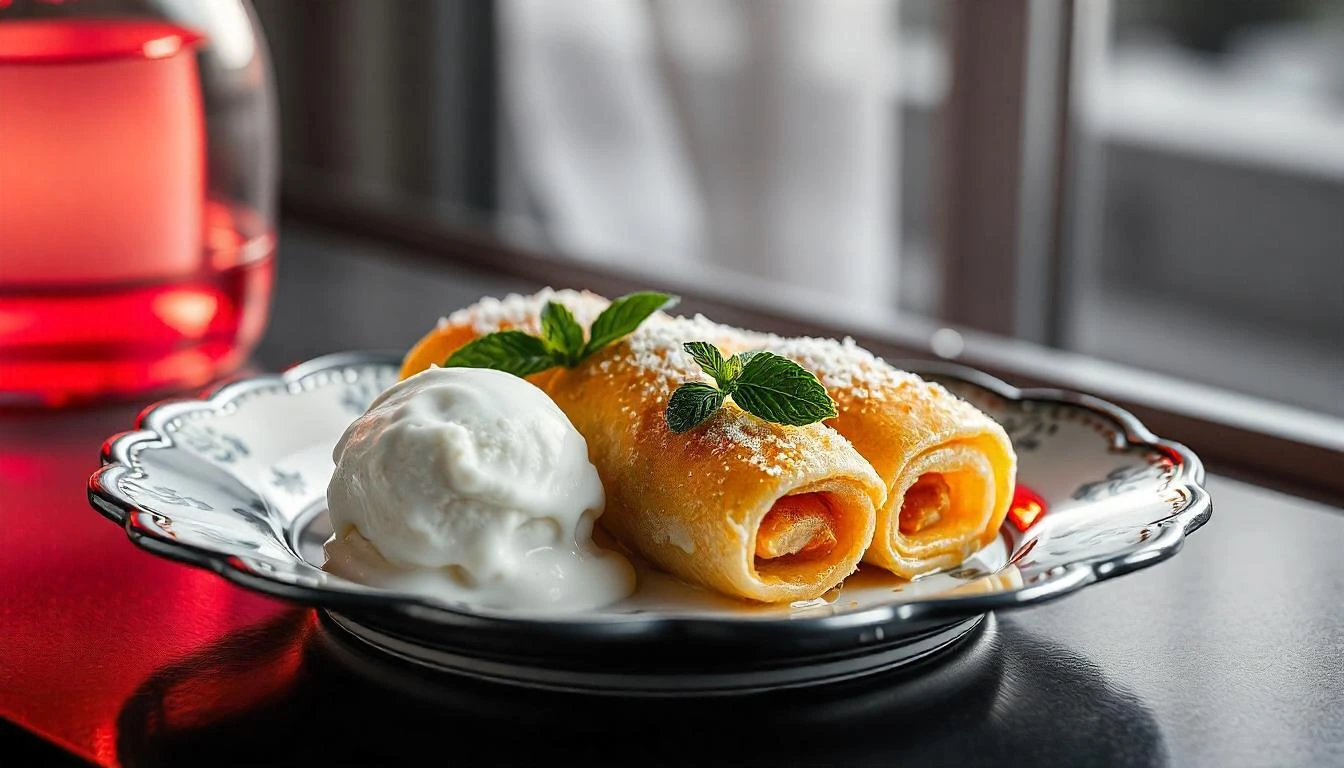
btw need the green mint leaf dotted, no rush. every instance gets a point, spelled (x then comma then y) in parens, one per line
(777, 389)
(509, 351)
(561, 332)
(690, 405)
(623, 316)
(710, 360)
(737, 362)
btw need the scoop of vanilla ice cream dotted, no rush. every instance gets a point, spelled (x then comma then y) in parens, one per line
(479, 476)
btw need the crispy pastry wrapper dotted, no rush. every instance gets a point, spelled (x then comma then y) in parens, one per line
(949, 469)
(748, 508)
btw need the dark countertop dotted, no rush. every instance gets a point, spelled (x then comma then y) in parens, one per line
(1232, 653)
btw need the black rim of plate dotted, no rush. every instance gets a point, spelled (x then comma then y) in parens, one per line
(507, 636)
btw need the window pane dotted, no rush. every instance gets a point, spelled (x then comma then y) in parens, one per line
(791, 141)
(1208, 203)
(921, 71)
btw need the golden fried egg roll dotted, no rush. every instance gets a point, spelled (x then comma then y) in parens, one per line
(950, 470)
(743, 506)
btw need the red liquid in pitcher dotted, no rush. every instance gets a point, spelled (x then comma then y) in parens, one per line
(74, 342)
(118, 276)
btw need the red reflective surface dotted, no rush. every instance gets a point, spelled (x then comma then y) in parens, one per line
(129, 659)
(1202, 659)
(87, 618)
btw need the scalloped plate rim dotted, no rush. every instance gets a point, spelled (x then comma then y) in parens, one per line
(1067, 579)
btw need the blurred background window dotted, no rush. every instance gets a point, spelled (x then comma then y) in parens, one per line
(1209, 199)
(1156, 182)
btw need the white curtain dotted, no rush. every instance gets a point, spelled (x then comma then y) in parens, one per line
(759, 135)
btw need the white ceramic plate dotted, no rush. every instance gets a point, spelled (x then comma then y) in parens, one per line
(235, 482)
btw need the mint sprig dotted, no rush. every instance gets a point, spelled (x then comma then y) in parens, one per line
(623, 316)
(711, 361)
(778, 389)
(561, 332)
(561, 343)
(691, 404)
(764, 384)
(509, 351)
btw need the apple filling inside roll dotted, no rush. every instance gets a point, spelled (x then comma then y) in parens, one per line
(816, 533)
(799, 525)
(925, 505)
(945, 513)
(942, 509)
(797, 529)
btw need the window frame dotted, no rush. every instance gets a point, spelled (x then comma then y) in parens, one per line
(1287, 448)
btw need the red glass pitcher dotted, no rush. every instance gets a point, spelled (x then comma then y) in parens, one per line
(137, 193)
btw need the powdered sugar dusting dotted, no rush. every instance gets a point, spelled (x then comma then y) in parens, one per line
(858, 380)
(852, 375)
(524, 312)
(656, 350)
(740, 428)
(657, 346)
(843, 367)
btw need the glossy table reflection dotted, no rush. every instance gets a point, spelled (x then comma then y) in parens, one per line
(1232, 653)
